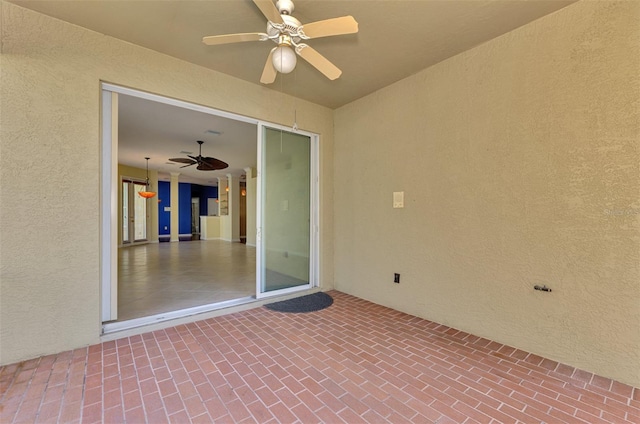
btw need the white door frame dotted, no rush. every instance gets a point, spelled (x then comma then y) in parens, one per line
(109, 207)
(109, 191)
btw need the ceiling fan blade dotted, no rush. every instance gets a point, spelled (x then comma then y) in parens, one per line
(205, 167)
(191, 164)
(211, 164)
(183, 160)
(269, 10)
(269, 72)
(329, 27)
(318, 61)
(213, 40)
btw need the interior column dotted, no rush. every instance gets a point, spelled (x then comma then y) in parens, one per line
(234, 207)
(175, 209)
(223, 210)
(251, 188)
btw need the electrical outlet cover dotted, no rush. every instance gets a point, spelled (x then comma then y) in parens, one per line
(398, 199)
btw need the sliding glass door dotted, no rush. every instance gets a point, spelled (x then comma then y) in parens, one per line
(282, 218)
(286, 233)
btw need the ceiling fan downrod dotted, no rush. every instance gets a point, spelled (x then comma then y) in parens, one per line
(285, 7)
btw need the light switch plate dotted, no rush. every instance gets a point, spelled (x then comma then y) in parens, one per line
(398, 199)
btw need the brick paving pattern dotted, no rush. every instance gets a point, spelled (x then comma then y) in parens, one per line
(354, 362)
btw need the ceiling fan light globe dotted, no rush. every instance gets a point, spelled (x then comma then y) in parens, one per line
(284, 59)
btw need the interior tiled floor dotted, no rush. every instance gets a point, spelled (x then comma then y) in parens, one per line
(161, 277)
(353, 362)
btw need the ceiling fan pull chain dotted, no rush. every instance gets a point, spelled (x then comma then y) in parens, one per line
(295, 100)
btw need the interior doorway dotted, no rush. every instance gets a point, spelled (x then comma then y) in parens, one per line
(195, 218)
(134, 212)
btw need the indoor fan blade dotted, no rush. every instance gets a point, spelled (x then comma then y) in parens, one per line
(318, 61)
(269, 10)
(205, 167)
(234, 38)
(191, 164)
(269, 72)
(183, 160)
(329, 27)
(211, 164)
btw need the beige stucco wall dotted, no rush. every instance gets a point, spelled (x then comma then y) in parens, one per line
(50, 166)
(520, 163)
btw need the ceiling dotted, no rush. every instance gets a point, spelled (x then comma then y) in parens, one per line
(162, 131)
(396, 38)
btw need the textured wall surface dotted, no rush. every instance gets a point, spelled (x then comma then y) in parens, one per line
(520, 162)
(50, 167)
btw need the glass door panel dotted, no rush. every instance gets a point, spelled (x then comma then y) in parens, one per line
(285, 236)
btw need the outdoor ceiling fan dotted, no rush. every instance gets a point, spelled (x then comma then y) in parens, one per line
(288, 33)
(204, 163)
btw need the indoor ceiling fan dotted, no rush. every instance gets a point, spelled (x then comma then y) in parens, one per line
(204, 163)
(288, 33)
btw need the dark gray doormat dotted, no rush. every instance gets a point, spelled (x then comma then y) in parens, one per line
(309, 303)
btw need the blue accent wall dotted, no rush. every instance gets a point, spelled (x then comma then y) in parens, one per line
(164, 218)
(207, 193)
(185, 192)
(184, 205)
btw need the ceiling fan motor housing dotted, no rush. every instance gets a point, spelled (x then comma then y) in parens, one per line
(290, 27)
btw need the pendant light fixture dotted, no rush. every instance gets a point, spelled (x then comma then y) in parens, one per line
(147, 193)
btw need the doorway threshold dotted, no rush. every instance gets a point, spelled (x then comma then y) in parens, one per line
(117, 330)
(119, 326)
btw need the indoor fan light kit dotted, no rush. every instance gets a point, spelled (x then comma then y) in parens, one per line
(290, 35)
